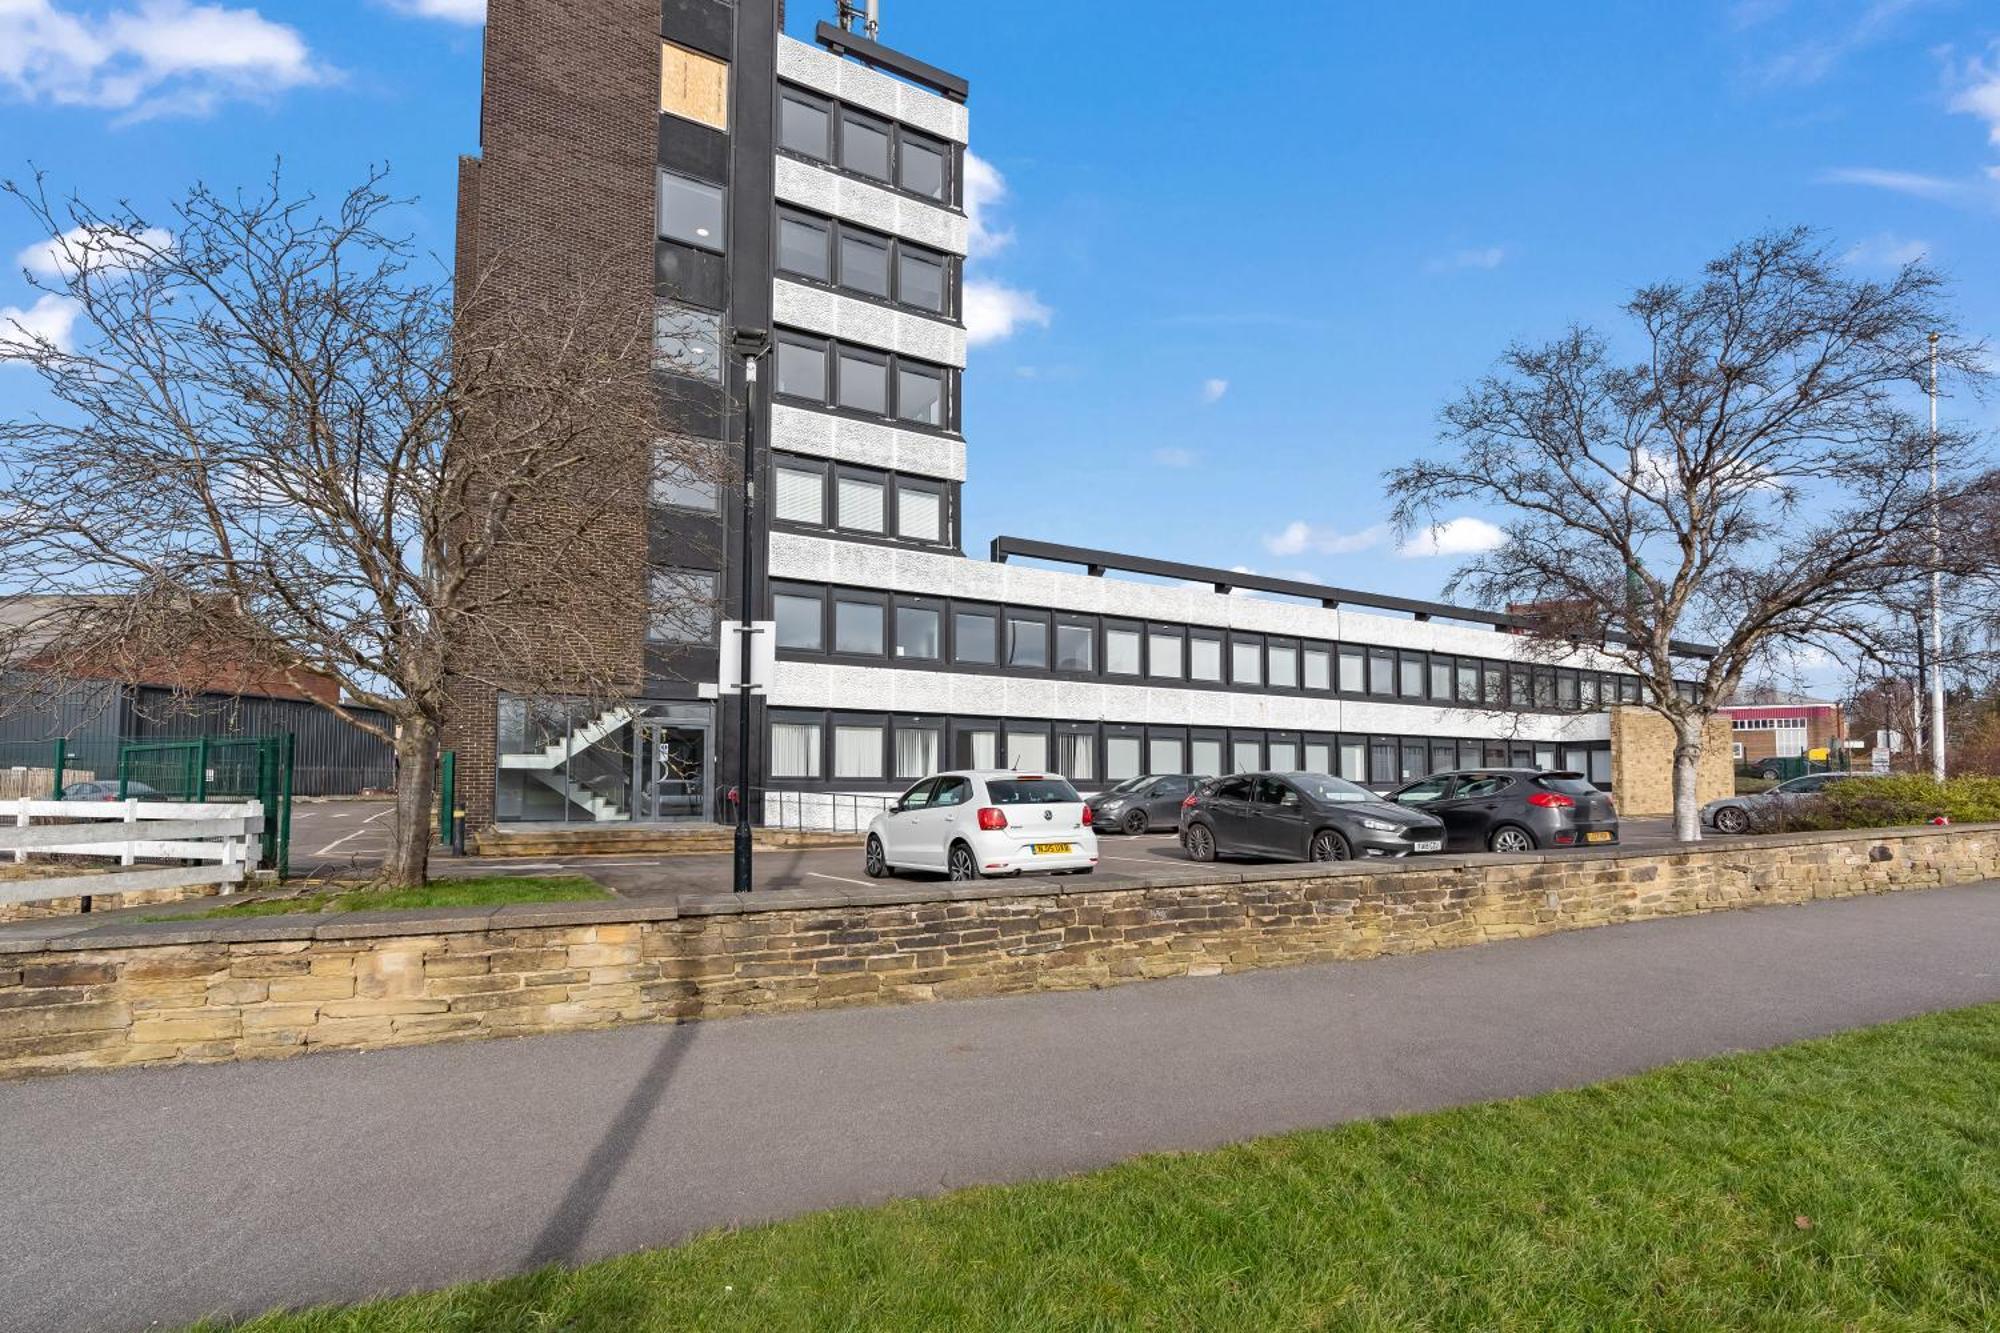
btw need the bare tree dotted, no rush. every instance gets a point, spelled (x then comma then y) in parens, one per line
(279, 436)
(1754, 479)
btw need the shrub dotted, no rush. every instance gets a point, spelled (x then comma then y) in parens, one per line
(1884, 802)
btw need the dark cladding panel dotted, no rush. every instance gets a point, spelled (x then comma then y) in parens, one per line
(699, 25)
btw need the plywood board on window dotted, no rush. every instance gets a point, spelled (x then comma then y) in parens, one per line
(694, 86)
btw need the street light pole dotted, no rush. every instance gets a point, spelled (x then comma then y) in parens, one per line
(1937, 590)
(750, 344)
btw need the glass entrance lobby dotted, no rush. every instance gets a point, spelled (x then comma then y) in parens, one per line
(566, 762)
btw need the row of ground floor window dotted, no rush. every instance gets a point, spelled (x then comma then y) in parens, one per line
(860, 748)
(565, 762)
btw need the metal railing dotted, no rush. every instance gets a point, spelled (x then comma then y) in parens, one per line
(820, 811)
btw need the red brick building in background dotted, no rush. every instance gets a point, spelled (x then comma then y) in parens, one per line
(1771, 724)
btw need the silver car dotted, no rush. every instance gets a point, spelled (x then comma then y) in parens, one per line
(1735, 814)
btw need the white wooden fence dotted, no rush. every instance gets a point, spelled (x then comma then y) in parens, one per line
(222, 838)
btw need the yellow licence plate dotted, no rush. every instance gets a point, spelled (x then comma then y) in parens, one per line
(1597, 837)
(1053, 849)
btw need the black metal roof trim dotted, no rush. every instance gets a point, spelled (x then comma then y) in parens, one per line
(843, 43)
(1226, 580)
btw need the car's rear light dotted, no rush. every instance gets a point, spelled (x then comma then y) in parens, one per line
(1192, 797)
(992, 820)
(1552, 800)
(1087, 816)
(1611, 804)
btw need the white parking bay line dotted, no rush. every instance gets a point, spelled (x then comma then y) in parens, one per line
(1135, 860)
(814, 874)
(328, 849)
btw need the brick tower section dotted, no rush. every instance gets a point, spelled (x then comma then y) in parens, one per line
(563, 185)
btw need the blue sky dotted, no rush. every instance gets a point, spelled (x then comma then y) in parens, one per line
(1229, 269)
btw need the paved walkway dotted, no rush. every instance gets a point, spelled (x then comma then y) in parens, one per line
(163, 1195)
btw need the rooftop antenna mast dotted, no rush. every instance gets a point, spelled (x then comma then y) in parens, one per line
(868, 11)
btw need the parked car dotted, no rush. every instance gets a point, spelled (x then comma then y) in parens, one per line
(1514, 809)
(985, 822)
(1300, 817)
(1736, 814)
(107, 791)
(1138, 804)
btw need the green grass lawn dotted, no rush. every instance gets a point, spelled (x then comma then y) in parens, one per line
(471, 891)
(1852, 1182)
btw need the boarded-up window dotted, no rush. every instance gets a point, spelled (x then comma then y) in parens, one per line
(694, 85)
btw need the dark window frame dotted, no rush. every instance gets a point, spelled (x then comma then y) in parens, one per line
(858, 597)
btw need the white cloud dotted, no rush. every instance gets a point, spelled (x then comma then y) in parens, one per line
(451, 11)
(1481, 257)
(51, 317)
(1831, 45)
(1454, 536)
(985, 187)
(1885, 250)
(1213, 389)
(163, 57)
(100, 249)
(1172, 457)
(1897, 182)
(993, 311)
(1299, 537)
(1979, 93)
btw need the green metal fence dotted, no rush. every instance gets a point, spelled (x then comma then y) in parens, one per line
(207, 768)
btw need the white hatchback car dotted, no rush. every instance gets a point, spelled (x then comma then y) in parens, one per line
(984, 822)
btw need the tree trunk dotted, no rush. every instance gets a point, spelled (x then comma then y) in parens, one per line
(408, 863)
(1687, 769)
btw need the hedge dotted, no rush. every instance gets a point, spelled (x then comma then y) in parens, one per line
(1884, 802)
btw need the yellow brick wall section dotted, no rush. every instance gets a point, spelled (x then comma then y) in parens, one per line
(1642, 762)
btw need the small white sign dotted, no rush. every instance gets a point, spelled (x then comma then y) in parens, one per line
(763, 635)
(1878, 762)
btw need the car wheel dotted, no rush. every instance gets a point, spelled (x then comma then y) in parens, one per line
(1769, 774)
(876, 864)
(1508, 838)
(1200, 843)
(962, 864)
(1732, 819)
(1327, 845)
(1134, 823)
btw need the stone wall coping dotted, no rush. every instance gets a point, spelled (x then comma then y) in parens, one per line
(79, 934)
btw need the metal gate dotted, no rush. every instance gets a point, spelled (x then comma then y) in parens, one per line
(217, 768)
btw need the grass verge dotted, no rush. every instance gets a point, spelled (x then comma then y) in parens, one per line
(471, 891)
(1852, 1182)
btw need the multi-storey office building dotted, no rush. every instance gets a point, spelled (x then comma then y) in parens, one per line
(817, 192)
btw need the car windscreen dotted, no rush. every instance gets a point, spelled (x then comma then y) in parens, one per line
(1031, 791)
(1129, 784)
(1569, 784)
(1331, 791)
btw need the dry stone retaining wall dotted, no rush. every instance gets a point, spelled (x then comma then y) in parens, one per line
(73, 996)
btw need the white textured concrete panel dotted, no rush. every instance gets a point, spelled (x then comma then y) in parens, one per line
(811, 67)
(800, 430)
(820, 685)
(825, 191)
(819, 311)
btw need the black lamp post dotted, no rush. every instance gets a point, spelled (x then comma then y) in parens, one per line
(750, 345)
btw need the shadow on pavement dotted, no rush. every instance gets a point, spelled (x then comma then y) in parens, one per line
(562, 1236)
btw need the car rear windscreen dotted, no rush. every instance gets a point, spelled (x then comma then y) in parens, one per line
(1031, 791)
(1570, 784)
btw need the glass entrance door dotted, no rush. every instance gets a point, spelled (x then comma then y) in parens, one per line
(673, 762)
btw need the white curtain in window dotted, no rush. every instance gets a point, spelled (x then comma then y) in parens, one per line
(1319, 759)
(1284, 757)
(860, 504)
(985, 748)
(919, 516)
(1027, 752)
(1121, 651)
(1244, 757)
(1205, 759)
(1205, 659)
(1165, 756)
(794, 750)
(1073, 755)
(801, 497)
(1354, 761)
(857, 752)
(916, 752)
(1121, 758)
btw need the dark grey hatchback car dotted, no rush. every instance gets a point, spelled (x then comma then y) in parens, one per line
(1300, 817)
(1138, 804)
(1514, 809)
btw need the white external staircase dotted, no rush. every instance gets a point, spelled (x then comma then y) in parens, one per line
(546, 764)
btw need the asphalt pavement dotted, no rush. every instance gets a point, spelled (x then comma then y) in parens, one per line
(151, 1197)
